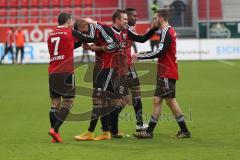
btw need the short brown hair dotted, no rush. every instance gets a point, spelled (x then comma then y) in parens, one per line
(163, 13)
(79, 23)
(117, 14)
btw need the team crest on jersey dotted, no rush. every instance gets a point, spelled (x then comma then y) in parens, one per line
(124, 36)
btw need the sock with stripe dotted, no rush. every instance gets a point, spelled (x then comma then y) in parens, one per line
(181, 122)
(152, 124)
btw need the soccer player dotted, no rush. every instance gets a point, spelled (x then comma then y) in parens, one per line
(132, 77)
(115, 61)
(61, 43)
(127, 35)
(166, 78)
(102, 74)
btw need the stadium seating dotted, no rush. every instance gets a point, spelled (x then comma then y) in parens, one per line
(44, 3)
(33, 20)
(67, 3)
(55, 3)
(141, 7)
(24, 12)
(33, 3)
(215, 9)
(24, 3)
(3, 3)
(105, 3)
(34, 12)
(13, 12)
(13, 3)
(46, 11)
(77, 3)
(12, 20)
(44, 20)
(3, 12)
(3, 20)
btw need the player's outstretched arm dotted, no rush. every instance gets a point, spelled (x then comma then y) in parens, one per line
(163, 46)
(83, 37)
(142, 38)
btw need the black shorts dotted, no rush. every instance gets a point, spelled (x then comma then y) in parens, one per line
(132, 77)
(165, 88)
(110, 84)
(62, 85)
(96, 72)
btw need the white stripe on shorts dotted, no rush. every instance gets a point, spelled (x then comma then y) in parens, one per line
(166, 83)
(108, 79)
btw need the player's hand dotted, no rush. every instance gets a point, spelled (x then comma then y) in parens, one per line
(135, 57)
(86, 46)
(89, 21)
(154, 25)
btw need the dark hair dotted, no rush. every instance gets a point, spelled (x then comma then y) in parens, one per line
(163, 13)
(117, 14)
(155, 1)
(63, 18)
(130, 10)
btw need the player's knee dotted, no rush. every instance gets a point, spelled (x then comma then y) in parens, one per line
(56, 102)
(156, 101)
(170, 101)
(68, 102)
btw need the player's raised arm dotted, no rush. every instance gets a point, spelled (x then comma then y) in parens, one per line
(163, 46)
(142, 38)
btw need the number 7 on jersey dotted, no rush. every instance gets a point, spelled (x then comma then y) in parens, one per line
(57, 40)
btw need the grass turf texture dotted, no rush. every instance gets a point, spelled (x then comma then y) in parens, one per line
(208, 93)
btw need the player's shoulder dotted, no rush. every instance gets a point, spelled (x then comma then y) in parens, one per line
(172, 31)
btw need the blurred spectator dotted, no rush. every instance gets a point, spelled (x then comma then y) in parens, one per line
(8, 45)
(177, 8)
(154, 40)
(19, 41)
(154, 6)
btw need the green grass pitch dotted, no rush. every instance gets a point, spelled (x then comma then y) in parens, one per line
(207, 91)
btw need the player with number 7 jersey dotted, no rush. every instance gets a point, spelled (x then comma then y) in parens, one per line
(61, 43)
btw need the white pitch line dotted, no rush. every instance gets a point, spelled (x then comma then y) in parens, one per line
(227, 62)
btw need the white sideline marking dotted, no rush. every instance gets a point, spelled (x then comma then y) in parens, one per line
(227, 62)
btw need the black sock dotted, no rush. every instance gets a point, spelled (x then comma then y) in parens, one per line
(181, 122)
(105, 122)
(152, 124)
(114, 115)
(52, 115)
(137, 105)
(61, 116)
(94, 118)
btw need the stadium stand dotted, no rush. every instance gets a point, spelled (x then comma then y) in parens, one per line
(44, 11)
(215, 10)
(230, 9)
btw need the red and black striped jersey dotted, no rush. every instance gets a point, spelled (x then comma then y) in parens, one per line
(166, 54)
